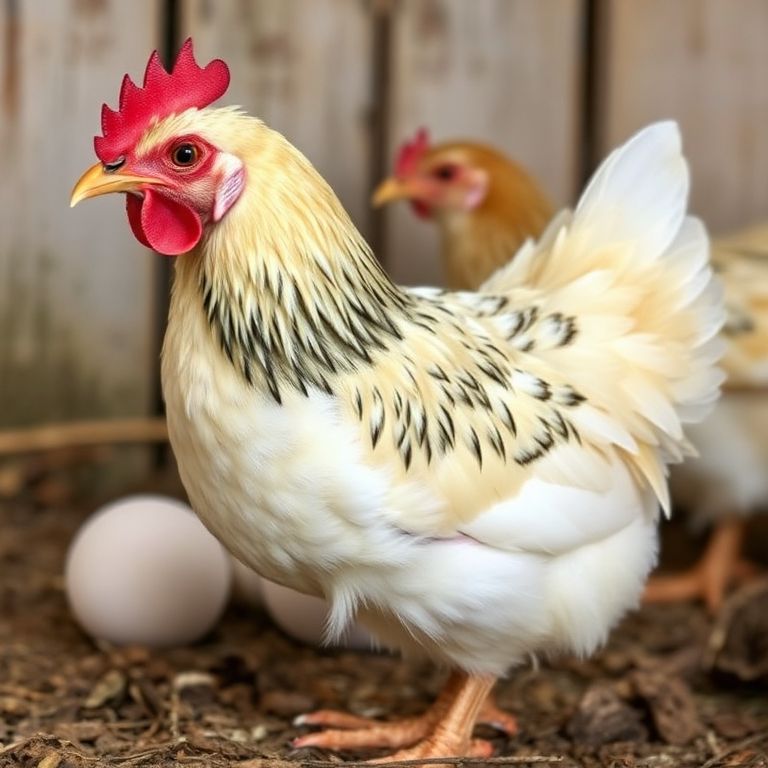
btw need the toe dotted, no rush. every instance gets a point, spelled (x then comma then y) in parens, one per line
(373, 735)
(480, 748)
(497, 718)
(337, 740)
(674, 588)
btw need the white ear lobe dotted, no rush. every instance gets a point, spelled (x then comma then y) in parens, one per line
(230, 185)
(477, 188)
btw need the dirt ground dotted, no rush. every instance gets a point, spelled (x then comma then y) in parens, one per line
(670, 689)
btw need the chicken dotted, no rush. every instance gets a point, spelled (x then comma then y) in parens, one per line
(485, 204)
(475, 476)
(728, 481)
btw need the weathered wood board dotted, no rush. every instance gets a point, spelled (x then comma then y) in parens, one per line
(704, 63)
(78, 296)
(76, 289)
(503, 71)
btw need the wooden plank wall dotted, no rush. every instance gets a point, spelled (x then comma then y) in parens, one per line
(76, 299)
(704, 63)
(78, 295)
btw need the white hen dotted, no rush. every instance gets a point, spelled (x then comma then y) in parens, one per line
(475, 476)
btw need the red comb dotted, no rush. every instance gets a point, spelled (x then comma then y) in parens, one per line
(411, 152)
(163, 93)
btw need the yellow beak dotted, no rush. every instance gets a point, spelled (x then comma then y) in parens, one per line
(391, 189)
(96, 181)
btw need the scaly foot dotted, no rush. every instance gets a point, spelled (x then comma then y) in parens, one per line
(345, 731)
(447, 725)
(719, 567)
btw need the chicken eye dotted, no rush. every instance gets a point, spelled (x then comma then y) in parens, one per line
(184, 155)
(445, 172)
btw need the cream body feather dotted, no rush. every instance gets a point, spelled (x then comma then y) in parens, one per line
(741, 260)
(729, 477)
(475, 476)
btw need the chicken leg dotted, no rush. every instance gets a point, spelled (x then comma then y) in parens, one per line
(720, 565)
(444, 729)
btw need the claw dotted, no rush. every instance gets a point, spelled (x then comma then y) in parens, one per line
(330, 718)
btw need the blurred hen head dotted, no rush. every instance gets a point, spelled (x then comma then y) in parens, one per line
(436, 180)
(157, 148)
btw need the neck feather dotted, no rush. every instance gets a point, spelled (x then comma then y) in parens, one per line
(474, 247)
(291, 290)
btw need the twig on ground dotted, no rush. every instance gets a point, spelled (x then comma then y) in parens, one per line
(755, 738)
(469, 761)
(83, 433)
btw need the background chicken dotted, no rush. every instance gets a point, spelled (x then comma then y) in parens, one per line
(729, 479)
(485, 204)
(476, 477)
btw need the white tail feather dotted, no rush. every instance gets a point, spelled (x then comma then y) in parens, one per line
(634, 270)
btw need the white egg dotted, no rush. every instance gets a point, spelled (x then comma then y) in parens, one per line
(246, 585)
(144, 570)
(303, 617)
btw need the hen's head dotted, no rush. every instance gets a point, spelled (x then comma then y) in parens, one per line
(435, 179)
(464, 178)
(172, 157)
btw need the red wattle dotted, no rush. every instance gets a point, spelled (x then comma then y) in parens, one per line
(133, 209)
(162, 224)
(421, 209)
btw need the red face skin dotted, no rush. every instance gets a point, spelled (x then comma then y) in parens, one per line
(194, 188)
(445, 186)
